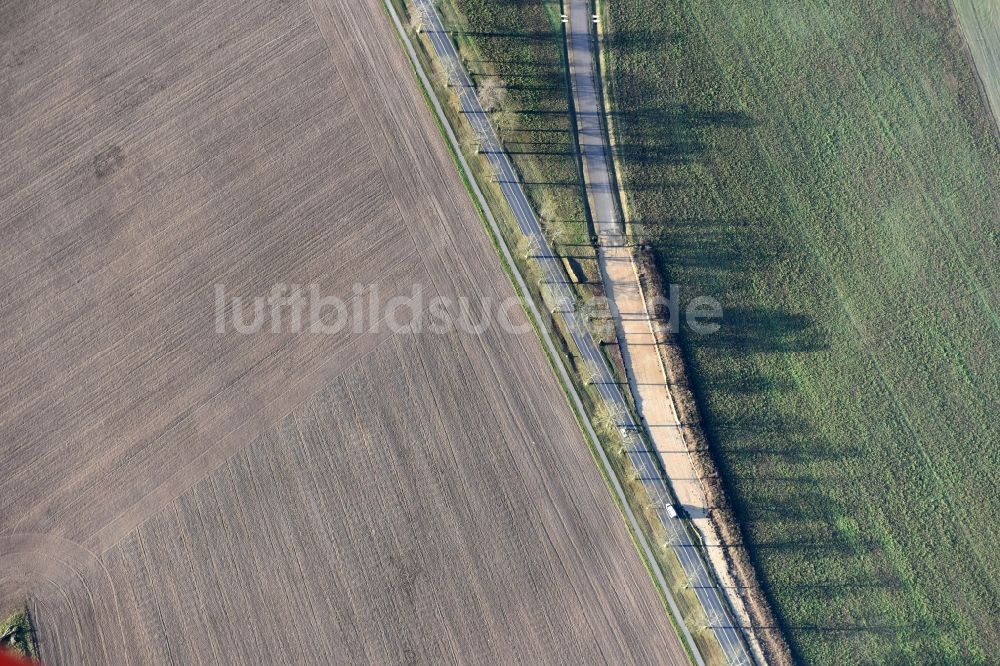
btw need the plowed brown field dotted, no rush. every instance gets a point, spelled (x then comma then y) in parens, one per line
(172, 495)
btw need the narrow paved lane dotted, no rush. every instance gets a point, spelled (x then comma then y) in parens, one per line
(590, 131)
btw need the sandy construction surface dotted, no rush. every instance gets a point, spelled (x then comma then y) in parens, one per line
(182, 496)
(648, 381)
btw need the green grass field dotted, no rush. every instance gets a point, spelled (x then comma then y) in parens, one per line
(829, 172)
(980, 21)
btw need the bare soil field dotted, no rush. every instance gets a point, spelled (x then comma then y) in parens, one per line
(188, 497)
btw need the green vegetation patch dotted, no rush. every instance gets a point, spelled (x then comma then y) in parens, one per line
(17, 635)
(829, 172)
(516, 46)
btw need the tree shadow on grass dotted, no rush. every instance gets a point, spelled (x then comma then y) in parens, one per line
(757, 330)
(672, 134)
(780, 468)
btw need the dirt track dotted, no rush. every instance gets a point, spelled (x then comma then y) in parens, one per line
(186, 496)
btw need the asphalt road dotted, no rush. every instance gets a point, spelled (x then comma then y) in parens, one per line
(644, 461)
(590, 132)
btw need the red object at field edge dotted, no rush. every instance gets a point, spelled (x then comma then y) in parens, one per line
(8, 659)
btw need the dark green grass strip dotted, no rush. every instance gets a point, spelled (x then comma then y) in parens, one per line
(828, 171)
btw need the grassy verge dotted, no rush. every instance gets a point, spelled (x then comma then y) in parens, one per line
(608, 438)
(518, 47)
(18, 636)
(829, 172)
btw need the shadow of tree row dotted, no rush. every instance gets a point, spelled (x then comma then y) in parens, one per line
(763, 455)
